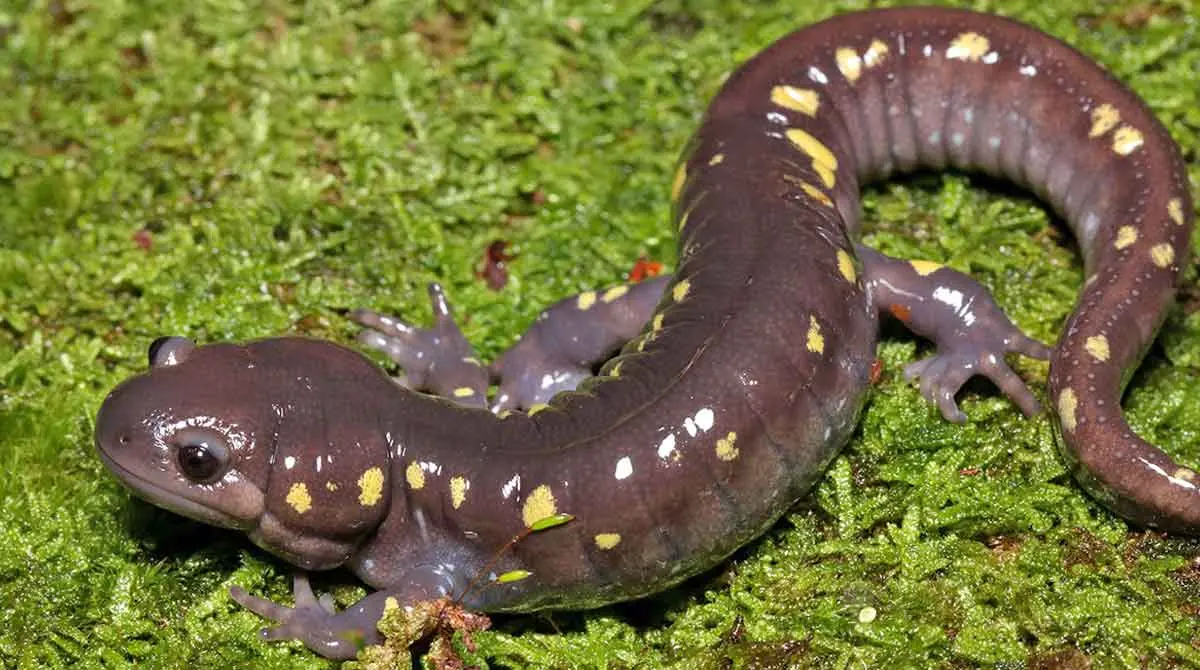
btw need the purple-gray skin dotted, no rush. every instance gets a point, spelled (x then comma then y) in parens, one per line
(746, 370)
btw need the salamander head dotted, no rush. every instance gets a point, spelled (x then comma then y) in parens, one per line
(278, 438)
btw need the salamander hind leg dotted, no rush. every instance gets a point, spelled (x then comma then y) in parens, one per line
(958, 314)
(438, 359)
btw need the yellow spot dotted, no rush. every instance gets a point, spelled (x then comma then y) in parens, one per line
(1162, 254)
(464, 392)
(1066, 409)
(390, 603)
(458, 490)
(680, 178)
(607, 541)
(586, 300)
(614, 293)
(846, 266)
(925, 268)
(656, 323)
(415, 476)
(1104, 118)
(1097, 346)
(370, 487)
(799, 99)
(849, 64)
(1175, 211)
(968, 47)
(823, 160)
(1186, 474)
(298, 498)
(615, 371)
(1126, 139)
(471, 360)
(1126, 235)
(539, 504)
(816, 194)
(331, 486)
(725, 449)
(815, 341)
(537, 407)
(681, 290)
(716, 159)
(504, 414)
(875, 54)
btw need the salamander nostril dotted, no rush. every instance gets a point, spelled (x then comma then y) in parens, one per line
(124, 439)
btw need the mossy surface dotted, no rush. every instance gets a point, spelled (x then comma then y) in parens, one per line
(228, 170)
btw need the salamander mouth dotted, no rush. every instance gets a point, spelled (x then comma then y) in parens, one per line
(169, 500)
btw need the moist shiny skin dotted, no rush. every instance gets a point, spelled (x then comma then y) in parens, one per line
(750, 374)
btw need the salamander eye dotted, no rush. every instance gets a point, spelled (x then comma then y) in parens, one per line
(169, 350)
(202, 455)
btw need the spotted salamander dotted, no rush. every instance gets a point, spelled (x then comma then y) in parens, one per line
(735, 381)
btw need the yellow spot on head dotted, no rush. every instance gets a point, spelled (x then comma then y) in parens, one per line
(968, 47)
(1126, 235)
(656, 323)
(1067, 404)
(1126, 140)
(614, 293)
(537, 407)
(458, 490)
(1186, 474)
(925, 268)
(725, 449)
(539, 504)
(370, 487)
(875, 54)
(1175, 211)
(815, 340)
(799, 99)
(1104, 118)
(681, 290)
(846, 266)
(607, 541)
(464, 392)
(848, 63)
(716, 159)
(1097, 346)
(415, 476)
(823, 161)
(680, 178)
(298, 498)
(816, 194)
(586, 300)
(1162, 254)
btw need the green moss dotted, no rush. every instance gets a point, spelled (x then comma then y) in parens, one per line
(286, 161)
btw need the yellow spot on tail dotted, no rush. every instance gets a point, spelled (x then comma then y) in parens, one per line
(1067, 404)
(823, 160)
(815, 341)
(875, 54)
(458, 490)
(725, 449)
(968, 47)
(680, 178)
(716, 159)
(537, 407)
(799, 99)
(1126, 140)
(1104, 118)
(1162, 254)
(298, 498)
(464, 392)
(1175, 211)
(1126, 235)
(925, 268)
(681, 290)
(607, 541)
(370, 487)
(848, 63)
(1186, 474)
(539, 504)
(415, 476)
(816, 194)
(846, 266)
(656, 323)
(1097, 346)
(614, 293)
(586, 300)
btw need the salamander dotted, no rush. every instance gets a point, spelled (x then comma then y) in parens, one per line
(734, 381)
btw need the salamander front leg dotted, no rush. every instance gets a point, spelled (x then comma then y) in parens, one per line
(970, 330)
